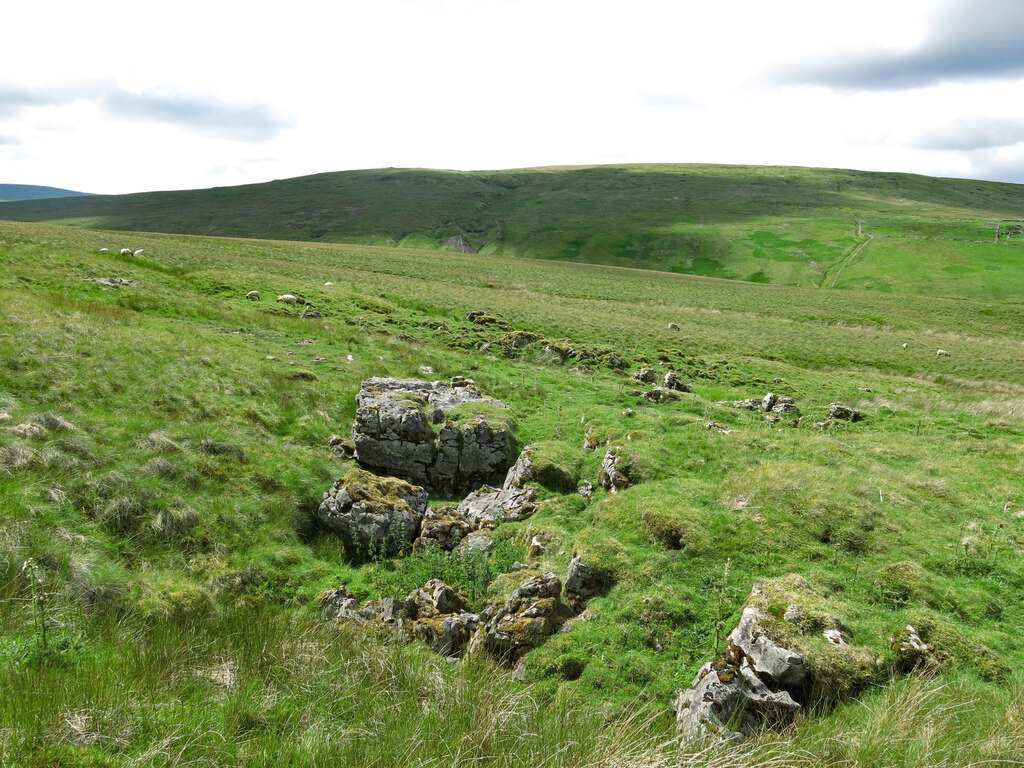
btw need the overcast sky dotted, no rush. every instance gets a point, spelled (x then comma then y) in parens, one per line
(118, 97)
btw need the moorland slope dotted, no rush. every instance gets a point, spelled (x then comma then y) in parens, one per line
(793, 226)
(166, 443)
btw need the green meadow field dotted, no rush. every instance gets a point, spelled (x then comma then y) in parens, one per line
(159, 556)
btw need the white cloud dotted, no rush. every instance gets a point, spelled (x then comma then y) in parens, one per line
(169, 102)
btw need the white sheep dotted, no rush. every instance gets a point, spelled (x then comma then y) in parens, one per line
(904, 345)
(140, 252)
(328, 283)
(126, 251)
(287, 298)
(253, 295)
(941, 353)
(104, 250)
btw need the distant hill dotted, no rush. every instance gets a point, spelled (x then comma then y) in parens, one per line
(794, 226)
(33, 192)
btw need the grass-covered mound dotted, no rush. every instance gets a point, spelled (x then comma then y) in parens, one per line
(161, 464)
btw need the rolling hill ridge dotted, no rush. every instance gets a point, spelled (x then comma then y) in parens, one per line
(795, 226)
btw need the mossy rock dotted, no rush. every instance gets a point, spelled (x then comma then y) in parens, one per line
(837, 671)
(950, 647)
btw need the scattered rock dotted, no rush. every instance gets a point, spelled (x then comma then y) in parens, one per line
(523, 622)
(586, 491)
(582, 581)
(111, 280)
(311, 313)
(673, 382)
(477, 541)
(590, 441)
(646, 375)
(373, 513)
(822, 424)
(751, 404)
(536, 548)
(628, 413)
(717, 427)
(941, 353)
(911, 651)
(662, 395)
(614, 473)
(339, 603)
(4, 417)
(673, 326)
(840, 411)
(487, 507)
(394, 433)
(443, 528)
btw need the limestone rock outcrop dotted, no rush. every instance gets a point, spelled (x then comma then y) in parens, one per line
(443, 436)
(373, 514)
(614, 474)
(523, 622)
(743, 692)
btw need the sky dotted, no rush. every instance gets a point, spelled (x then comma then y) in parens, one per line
(114, 97)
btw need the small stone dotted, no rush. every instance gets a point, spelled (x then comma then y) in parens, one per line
(840, 411)
(536, 548)
(834, 636)
(717, 427)
(628, 413)
(586, 491)
(673, 326)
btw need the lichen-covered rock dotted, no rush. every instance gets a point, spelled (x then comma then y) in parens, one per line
(447, 635)
(477, 541)
(373, 514)
(782, 666)
(523, 622)
(840, 411)
(338, 603)
(614, 473)
(521, 472)
(727, 700)
(911, 651)
(433, 599)
(661, 395)
(775, 662)
(487, 507)
(646, 375)
(583, 581)
(586, 491)
(673, 382)
(416, 430)
(443, 528)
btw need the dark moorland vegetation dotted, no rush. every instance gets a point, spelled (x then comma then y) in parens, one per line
(164, 445)
(794, 226)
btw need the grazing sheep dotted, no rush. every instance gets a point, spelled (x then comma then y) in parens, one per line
(287, 298)
(140, 252)
(253, 295)
(942, 353)
(104, 250)
(126, 251)
(328, 283)
(904, 345)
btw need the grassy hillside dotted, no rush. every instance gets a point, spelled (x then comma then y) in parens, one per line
(791, 226)
(178, 445)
